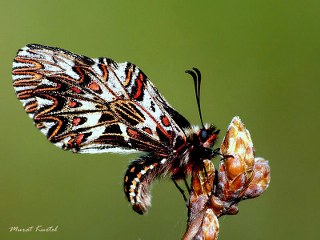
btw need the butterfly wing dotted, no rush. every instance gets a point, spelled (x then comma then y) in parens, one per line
(94, 105)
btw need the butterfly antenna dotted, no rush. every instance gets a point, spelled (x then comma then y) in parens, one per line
(196, 75)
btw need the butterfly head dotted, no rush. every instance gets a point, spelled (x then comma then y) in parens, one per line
(208, 136)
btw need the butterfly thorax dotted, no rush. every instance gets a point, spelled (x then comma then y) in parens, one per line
(199, 147)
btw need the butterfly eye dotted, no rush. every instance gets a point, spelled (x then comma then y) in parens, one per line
(203, 135)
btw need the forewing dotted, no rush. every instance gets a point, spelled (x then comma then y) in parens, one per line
(94, 105)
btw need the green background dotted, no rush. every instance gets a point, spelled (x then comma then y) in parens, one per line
(259, 59)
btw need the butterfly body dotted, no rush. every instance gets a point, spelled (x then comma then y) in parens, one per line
(89, 105)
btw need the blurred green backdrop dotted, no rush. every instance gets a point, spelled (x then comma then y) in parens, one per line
(259, 59)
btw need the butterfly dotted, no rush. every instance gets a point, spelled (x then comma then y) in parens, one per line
(96, 105)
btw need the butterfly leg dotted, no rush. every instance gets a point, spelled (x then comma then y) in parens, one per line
(187, 185)
(180, 190)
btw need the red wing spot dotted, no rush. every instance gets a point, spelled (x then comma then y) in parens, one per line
(75, 142)
(165, 121)
(76, 121)
(72, 104)
(78, 139)
(139, 87)
(132, 133)
(76, 90)
(147, 130)
(94, 86)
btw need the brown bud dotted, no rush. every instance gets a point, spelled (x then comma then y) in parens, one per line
(210, 226)
(260, 180)
(238, 162)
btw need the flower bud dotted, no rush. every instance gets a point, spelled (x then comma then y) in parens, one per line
(260, 180)
(238, 162)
